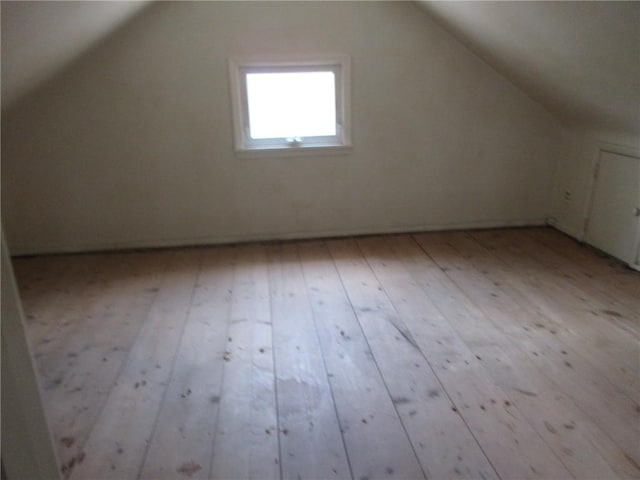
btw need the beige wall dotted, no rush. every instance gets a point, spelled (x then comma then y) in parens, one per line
(42, 37)
(131, 145)
(574, 175)
(27, 447)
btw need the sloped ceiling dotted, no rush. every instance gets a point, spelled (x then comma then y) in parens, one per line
(41, 38)
(581, 60)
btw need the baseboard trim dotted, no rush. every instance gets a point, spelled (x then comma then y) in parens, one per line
(568, 231)
(17, 251)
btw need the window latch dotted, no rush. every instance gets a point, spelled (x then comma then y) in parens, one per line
(294, 141)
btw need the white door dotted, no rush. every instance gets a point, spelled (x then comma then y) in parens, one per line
(614, 220)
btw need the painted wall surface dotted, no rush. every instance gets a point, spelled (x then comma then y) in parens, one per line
(573, 182)
(132, 144)
(42, 37)
(27, 447)
(574, 174)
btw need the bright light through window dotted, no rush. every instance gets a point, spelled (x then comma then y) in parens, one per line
(291, 105)
(286, 105)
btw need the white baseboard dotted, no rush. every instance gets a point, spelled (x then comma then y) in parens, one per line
(580, 238)
(20, 250)
(572, 232)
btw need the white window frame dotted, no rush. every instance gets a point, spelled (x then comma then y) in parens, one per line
(239, 67)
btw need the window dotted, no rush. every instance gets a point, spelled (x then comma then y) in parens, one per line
(291, 106)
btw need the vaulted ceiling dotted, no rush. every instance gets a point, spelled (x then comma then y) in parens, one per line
(581, 60)
(41, 38)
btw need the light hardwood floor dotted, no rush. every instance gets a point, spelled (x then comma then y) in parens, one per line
(480, 354)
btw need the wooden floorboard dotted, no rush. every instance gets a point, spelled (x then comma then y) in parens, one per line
(496, 423)
(378, 447)
(536, 397)
(311, 445)
(246, 434)
(507, 353)
(182, 437)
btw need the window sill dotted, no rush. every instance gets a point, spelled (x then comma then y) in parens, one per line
(300, 151)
